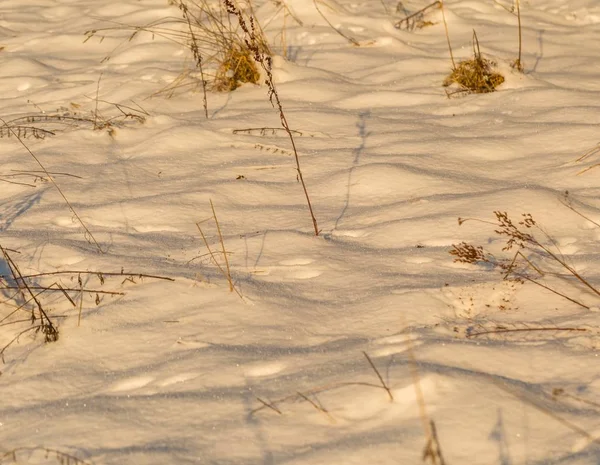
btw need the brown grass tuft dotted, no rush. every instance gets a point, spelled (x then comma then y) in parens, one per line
(476, 75)
(236, 68)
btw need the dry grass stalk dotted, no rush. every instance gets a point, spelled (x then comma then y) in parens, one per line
(87, 233)
(37, 176)
(17, 456)
(594, 150)
(352, 40)
(447, 34)
(195, 52)
(319, 389)
(269, 405)
(213, 41)
(566, 201)
(255, 41)
(40, 126)
(519, 267)
(265, 132)
(38, 313)
(433, 450)
(416, 21)
(227, 271)
(28, 297)
(475, 75)
(317, 406)
(518, 64)
(480, 330)
(383, 384)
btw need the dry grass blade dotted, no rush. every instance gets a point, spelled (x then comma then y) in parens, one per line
(383, 384)
(195, 52)
(88, 234)
(594, 150)
(99, 274)
(269, 405)
(566, 201)
(352, 40)
(447, 34)
(433, 449)
(504, 330)
(212, 207)
(227, 271)
(48, 328)
(518, 64)
(318, 407)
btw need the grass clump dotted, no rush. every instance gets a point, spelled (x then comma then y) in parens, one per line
(220, 57)
(236, 68)
(476, 75)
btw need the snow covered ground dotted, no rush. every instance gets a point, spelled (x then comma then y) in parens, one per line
(187, 372)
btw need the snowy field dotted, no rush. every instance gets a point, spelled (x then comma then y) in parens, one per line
(500, 355)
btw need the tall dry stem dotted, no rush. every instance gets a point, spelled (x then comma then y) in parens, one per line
(87, 233)
(447, 34)
(255, 41)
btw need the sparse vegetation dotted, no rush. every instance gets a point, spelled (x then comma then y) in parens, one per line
(30, 305)
(255, 41)
(34, 454)
(532, 259)
(219, 52)
(417, 19)
(476, 75)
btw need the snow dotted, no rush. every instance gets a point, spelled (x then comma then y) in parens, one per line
(178, 370)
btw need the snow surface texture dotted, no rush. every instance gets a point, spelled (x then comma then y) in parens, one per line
(171, 372)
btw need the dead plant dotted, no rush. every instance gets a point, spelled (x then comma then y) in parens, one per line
(28, 297)
(257, 44)
(417, 19)
(109, 118)
(532, 260)
(475, 75)
(218, 50)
